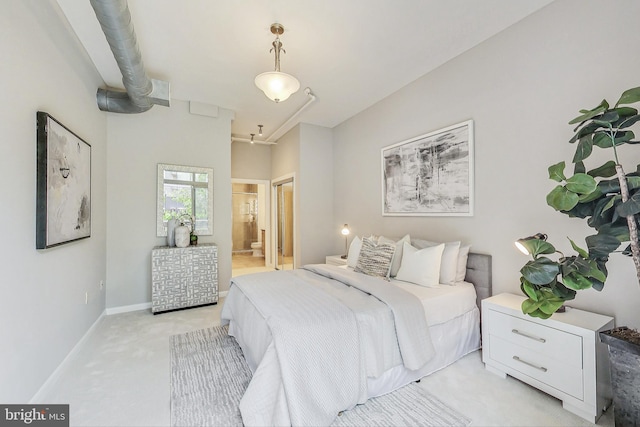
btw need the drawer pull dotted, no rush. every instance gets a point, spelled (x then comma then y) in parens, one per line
(542, 340)
(540, 368)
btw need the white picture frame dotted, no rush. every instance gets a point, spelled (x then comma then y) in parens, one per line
(431, 174)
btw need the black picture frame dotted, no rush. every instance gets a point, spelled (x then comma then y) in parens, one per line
(63, 184)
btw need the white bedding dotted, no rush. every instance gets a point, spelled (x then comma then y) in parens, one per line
(453, 324)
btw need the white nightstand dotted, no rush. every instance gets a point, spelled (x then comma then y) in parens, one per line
(335, 260)
(562, 355)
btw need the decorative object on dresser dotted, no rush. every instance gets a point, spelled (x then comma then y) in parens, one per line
(431, 174)
(610, 201)
(171, 228)
(561, 356)
(63, 188)
(183, 277)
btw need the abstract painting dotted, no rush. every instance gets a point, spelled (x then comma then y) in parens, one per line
(431, 174)
(63, 196)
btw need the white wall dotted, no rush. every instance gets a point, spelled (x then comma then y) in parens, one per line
(250, 161)
(521, 88)
(137, 143)
(317, 231)
(306, 152)
(42, 293)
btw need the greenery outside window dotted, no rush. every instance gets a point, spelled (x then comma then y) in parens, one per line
(185, 191)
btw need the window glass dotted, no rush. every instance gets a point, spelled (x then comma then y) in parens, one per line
(185, 193)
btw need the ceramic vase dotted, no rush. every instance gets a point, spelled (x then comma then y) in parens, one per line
(182, 236)
(171, 228)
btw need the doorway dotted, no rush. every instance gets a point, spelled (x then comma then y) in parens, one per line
(250, 226)
(284, 241)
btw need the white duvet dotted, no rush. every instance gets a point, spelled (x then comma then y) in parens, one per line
(321, 333)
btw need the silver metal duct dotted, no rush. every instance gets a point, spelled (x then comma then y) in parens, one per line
(141, 91)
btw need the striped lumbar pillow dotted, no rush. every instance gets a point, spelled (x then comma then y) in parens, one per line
(375, 259)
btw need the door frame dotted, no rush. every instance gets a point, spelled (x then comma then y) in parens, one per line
(267, 213)
(284, 179)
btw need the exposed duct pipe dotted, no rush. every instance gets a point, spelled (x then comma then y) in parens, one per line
(284, 127)
(141, 91)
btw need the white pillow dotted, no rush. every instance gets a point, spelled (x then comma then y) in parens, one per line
(421, 266)
(463, 255)
(354, 252)
(397, 256)
(449, 263)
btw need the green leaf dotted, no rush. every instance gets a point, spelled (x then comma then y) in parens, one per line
(576, 281)
(578, 249)
(594, 195)
(589, 114)
(581, 183)
(562, 292)
(529, 306)
(605, 171)
(540, 314)
(540, 271)
(556, 172)
(536, 247)
(579, 168)
(562, 199)
(601, 245)
(630, 207)
(550, 305)
(629, 121)
(602, 140)
(584, 149)
(586, 130)
(529, 289)
(629, 96)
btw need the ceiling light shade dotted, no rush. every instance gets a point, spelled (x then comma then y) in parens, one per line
(277, 86)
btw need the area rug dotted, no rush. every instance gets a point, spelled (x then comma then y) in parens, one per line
(209, 376)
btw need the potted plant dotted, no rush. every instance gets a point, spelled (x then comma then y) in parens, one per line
(609, 200)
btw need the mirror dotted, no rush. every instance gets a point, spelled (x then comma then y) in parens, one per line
(185, 191)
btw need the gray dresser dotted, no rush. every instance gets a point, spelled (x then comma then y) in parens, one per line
(183, 277)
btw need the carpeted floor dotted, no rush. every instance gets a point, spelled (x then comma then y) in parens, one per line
(209, 376)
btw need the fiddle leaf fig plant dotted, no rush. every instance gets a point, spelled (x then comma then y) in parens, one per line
(605, 196)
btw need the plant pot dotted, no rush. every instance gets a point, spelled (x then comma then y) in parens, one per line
(624, 360)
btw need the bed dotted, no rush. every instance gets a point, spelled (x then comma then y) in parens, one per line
(322, 338)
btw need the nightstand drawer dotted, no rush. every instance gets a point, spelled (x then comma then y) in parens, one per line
(565, 377)
(557, 344)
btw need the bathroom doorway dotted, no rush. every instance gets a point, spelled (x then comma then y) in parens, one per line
(250, 226)
(284, 247)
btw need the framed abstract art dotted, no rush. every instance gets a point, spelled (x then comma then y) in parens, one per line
(430, 175)
(63, 187)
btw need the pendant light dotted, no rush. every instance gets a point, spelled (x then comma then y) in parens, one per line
(277, 86)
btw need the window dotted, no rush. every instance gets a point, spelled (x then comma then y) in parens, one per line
(187, 192)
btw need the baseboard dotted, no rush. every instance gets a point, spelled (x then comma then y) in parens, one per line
(222, 294)
(58, 371)
(128, 308)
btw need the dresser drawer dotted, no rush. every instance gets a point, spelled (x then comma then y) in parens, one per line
(566, 377)
(557, 344)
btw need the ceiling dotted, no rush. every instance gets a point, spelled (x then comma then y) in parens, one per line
(351, 53)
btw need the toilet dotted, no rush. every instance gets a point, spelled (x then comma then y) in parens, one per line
(257, 248)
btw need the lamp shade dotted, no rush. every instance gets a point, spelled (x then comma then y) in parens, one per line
(345, 230)
(277, 86)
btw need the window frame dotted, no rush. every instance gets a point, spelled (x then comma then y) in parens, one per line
(161, 225)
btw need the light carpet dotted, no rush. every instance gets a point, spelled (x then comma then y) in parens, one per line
(209, 376)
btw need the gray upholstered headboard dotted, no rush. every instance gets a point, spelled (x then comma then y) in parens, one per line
(479, 273)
